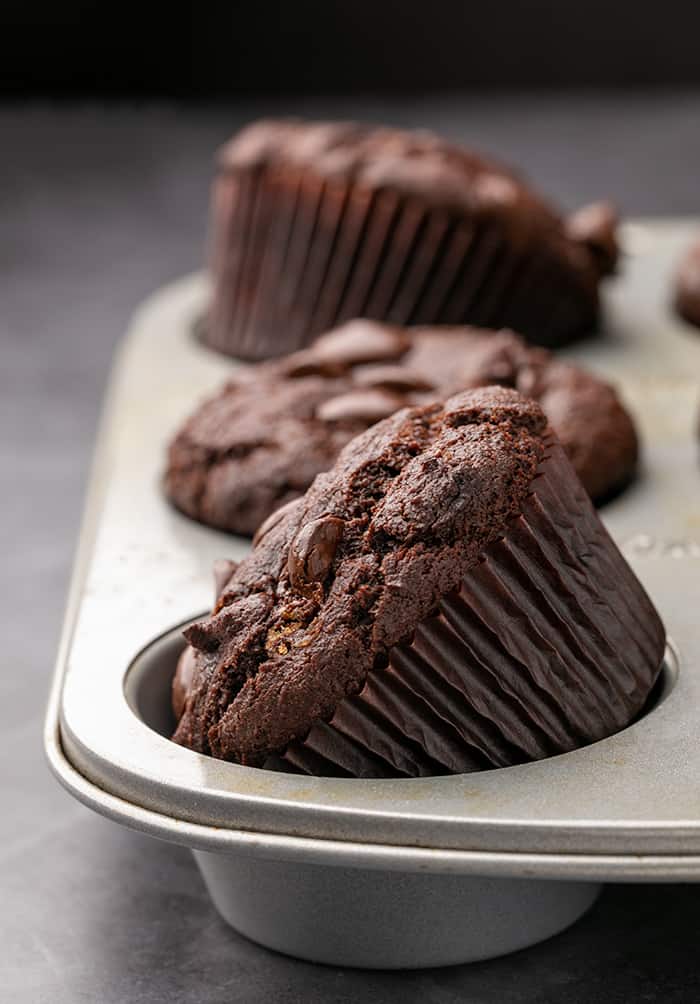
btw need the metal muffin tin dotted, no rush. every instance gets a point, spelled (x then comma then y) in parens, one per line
(387, 873)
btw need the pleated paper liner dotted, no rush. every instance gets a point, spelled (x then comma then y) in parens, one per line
(550, 643)
(294, 254)
(233, 206)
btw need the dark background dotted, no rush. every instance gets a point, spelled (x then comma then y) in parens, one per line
(197, 50)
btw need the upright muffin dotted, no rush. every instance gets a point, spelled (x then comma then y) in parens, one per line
(314, 223)
(445, 599)
(261, 441)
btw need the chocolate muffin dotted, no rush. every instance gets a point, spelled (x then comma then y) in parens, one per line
(314, 223)
(687, 286)
(263, 438)
(445, 599)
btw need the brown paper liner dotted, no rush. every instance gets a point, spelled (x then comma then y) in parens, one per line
(549, 644)
(294, 254)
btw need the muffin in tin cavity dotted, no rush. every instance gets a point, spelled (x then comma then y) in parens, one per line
(445, 599)
(686, 289)
(260, 441)
(314, 223)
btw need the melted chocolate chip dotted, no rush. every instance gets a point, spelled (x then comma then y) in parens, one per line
(362, 405)
(312, 551)
(387, 377)
(309, 363)
(352, 344)
(361, 341)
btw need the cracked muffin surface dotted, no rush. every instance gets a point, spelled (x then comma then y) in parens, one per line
(260, 441)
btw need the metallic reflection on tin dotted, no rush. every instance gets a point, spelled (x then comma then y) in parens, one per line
(643, 545)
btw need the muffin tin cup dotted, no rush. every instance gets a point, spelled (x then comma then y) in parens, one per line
(387, 919)
(294, 254)
(389, 872)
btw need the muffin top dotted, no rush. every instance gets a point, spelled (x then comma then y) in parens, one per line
(347, 571)
(420, 164)
(263, 438)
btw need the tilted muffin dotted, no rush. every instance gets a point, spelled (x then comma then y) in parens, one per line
(445, 599)
(314, 223)
(260, 441)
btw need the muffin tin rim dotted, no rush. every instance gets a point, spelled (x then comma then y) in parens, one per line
(169, 304)
(359, 854)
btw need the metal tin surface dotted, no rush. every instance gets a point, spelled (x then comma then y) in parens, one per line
(625, 807)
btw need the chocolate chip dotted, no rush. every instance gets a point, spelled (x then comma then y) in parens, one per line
(312, 551)
(356, 342)
(362, 405)
(595, 227)
(309, 363)
(223, 570)
(361, 341)
(272, 520)
(396, 378)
